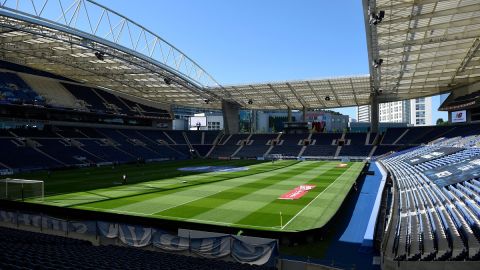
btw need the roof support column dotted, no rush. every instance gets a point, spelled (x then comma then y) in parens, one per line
(374, 113)
(231, 117)
(289, 115)
(304, 114)
(253, 121)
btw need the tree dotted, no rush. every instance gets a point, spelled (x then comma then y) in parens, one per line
(440, 122)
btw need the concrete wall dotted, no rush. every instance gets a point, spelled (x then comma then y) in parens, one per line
(231, 117)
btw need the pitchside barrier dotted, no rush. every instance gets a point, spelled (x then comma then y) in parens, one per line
(342, 158)
(251, 250)
(275, 157)
(302, 158)
(6, 172)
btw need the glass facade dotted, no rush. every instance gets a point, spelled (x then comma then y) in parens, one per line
(246, 120)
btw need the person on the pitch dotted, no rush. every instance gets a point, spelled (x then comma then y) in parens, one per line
(124, 178)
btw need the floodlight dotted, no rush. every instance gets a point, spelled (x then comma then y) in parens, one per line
(377, 63)
(377, 18)
(381, 15)
(100, 56)
(167, 80)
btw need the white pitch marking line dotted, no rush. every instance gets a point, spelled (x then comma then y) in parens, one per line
(299, 212)
(113, 210)
(220, 222)
(195, 199)
(207, 221)
(183, 219)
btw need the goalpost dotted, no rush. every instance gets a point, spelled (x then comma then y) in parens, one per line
(21, 189)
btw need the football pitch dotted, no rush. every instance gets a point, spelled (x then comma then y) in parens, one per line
(248, 198)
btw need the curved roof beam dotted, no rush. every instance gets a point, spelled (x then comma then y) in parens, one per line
(92, 20)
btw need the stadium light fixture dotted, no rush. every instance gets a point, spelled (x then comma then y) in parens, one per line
(377, 18)
(381, 15)
(377, 63)
(167, 80)
(250, 101)
(100, 56)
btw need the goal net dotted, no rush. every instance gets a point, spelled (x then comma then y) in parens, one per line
(21, 189)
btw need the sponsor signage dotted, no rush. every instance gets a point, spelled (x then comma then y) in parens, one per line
(297, 192)
(452, 174)
(213, 169)
(6, 172)
(459, 116)
(440, 152)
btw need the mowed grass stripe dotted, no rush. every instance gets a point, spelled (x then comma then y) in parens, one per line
(96, 183)
(248, 200)
(177, 199)
(82, 179)
(240, 199)
(223, 205)
(151, 187)
(269, 215)
(172, 184)
(326, 204)
(158, 201)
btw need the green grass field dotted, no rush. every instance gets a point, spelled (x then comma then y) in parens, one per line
(245, 199)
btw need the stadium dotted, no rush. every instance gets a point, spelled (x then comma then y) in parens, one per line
(96, 174)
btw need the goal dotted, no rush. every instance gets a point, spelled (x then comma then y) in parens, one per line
(21, 189)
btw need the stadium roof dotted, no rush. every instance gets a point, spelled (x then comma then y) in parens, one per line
(87, 42)
(427, 47)
(321, 93)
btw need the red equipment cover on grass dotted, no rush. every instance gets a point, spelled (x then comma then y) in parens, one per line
(297, 192)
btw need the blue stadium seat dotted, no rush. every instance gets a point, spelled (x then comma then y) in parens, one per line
(433, 222)
(356, 138)
(29, 250)
(325, 138)
(320, 150)
(92, 99)
(356, 150)
(14, 90)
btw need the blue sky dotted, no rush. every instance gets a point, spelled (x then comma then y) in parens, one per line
(244, 41)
